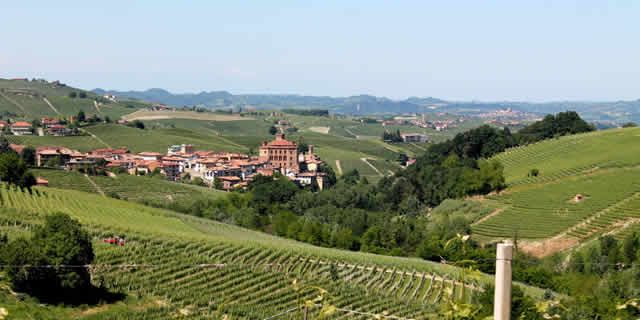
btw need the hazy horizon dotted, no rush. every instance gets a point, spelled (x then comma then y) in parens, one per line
(462, 51)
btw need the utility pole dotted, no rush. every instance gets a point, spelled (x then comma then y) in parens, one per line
(502, 298)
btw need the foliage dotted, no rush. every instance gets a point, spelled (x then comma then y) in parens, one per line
(392, 136)
(561, 124)
(308, 112)
(13, 170)
(59, 243)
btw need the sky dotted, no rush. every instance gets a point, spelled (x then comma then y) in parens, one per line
(459, 50)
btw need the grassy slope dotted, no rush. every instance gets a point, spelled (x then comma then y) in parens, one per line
(601, 166)
(34, 106)
(125, 186)
(253, 273)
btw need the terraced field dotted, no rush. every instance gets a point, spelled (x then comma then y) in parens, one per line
(572, 155)
(588, 185)
(542, 211)
(186, 267)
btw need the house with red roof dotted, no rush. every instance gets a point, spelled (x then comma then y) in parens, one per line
(21, 128)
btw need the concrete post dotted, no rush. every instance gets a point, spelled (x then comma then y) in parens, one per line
(502, 298)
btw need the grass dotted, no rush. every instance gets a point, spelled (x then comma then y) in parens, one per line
(135, 188)
(158, 140)
(161, 115)
(25, 99)
(572, 155)
(200, 268)
(601, 166)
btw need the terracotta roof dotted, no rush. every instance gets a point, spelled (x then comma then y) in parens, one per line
(229, 178)
(21, 124)
(18, 148)
(281, 143)
(172, 159)
(145, 153)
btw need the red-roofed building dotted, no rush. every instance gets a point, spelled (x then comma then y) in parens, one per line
(48, 122)
(58, 130)
(21, 128)
(3, 124)
(229, 182)
(18, 148)
(150, 156)
(280, 153)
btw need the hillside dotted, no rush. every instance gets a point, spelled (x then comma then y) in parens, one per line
(588, 185)
(126, 187)
(174, 265)
(605, 112)
(34, 99)
(339, 149)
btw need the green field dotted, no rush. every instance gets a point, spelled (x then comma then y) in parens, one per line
(28, 100)
(135, 188)
(193, 268)
(572, 155)
(601, 166)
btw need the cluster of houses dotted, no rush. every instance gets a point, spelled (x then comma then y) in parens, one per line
(227, 170)
(48, 126)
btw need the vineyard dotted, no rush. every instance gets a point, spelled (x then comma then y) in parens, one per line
(124, 186)
(588, 185)
(571, 155)
(183, 266)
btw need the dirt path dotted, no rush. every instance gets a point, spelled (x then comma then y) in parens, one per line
(365, 160)
(95, 185)
(351, 133)
(95, 104)
(339, 167)
(51, 106)
(96, 137)
(14, 102)
(485, 218)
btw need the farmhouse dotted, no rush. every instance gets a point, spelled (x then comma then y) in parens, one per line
(414, 137)
(56, 156)
(22, 128)
(58, 130)
(150, 156)
(48, 122)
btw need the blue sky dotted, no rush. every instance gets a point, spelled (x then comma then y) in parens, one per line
(465, 50)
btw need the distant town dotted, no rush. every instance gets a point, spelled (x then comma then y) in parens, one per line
(222, 170)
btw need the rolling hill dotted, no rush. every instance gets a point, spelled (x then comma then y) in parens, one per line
(588, 185)
(190, 268)
(34, 99)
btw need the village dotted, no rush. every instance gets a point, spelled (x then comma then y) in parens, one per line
(217, 169)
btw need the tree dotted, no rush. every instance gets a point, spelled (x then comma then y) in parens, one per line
(29, 156)
(73, 94)
(629, 125)
(14, 171)
(82, 94)
(217, 183)
(4, 145)
(59, 242)
(534, 172)
(82, 117)
(273, 130)
(136, 124)
(630, 248)
(351, 177)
